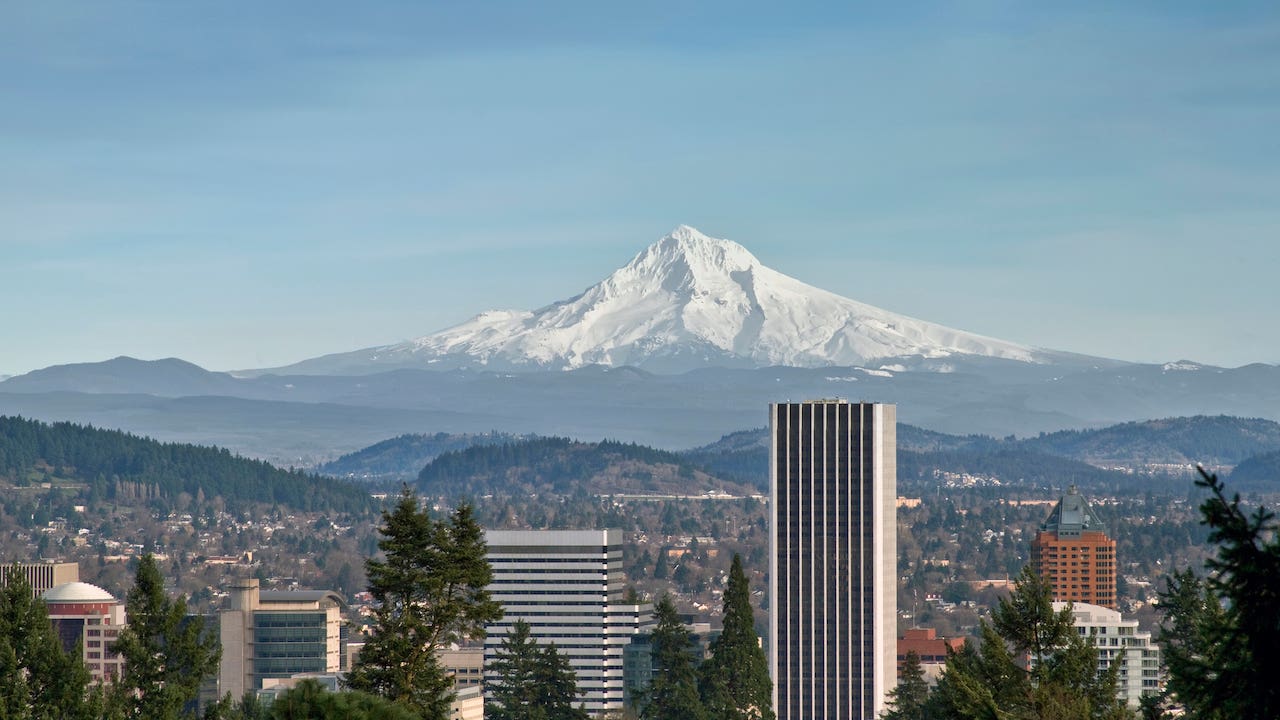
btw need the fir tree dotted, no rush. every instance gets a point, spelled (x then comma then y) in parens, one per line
(1031, 664)
(39, 680)
(309, 700)
(673, 694)
(430, 591)
(166, 653)
(734, 681)
(907, 700)
(1221, 635)
(531, 682)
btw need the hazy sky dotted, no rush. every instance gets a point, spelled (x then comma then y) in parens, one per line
(250, 184)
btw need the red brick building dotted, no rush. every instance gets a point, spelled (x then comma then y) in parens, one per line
(931, 649)
(1073, 553)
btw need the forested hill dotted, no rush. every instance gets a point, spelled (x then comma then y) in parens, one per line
(1212, 440)
(112, 465)
(562, 466)
(402, 458)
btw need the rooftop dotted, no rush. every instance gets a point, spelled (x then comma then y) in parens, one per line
(77, 592)
(1072, 516)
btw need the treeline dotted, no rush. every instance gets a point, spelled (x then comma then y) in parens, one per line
(112, 465)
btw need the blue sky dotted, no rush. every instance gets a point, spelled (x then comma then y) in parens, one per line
(250, 184)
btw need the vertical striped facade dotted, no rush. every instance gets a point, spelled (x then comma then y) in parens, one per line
(568, 585)
(833, 559)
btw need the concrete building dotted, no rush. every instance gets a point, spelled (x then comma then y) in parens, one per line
(1072, 552)
(268, 636)
(89, 617)
(1118, 639)
(833, 559)
(465, 665)
(42, 576)
(568, 585)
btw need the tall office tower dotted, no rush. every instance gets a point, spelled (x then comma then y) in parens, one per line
(833, 629)
(1072, 552)
(568, 585)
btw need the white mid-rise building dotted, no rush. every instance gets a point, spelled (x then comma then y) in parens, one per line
(1117, 638)
(568, 585)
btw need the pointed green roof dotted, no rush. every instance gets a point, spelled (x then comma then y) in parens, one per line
(1072, 516)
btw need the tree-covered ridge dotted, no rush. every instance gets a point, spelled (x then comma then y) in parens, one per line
(403, 457)
(1212, 440)
(1258, 472)
(113, 465)
(563, 466)
(1059, 459)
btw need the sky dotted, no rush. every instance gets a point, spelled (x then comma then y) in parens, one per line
(246, 185)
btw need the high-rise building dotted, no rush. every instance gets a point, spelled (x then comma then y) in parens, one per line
(1074, 555)
(833, 559)
(89, 618)
(1118, 639)
(568, 585)
(272, 635)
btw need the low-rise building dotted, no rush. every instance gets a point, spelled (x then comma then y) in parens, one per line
(87, 617)
(931, 649)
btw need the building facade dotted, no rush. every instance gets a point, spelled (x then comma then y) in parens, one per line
(42, 576)
(1120, 640)
(833, 559)
(268, 636)
(87, 617)
(568, 586)
(1074, 555)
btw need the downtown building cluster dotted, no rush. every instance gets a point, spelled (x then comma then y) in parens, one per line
(833, 645)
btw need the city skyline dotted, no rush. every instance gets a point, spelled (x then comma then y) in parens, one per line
(249, 189)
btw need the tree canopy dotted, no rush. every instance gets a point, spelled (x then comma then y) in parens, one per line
(167, 654)
(531, 681)
(431, 590)
(1221, 634)
(39, 679)
(1030, 664)
(673, 693)
(734, 681)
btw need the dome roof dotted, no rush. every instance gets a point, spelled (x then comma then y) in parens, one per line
(77, 592)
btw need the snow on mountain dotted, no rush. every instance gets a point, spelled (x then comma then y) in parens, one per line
(686, 301)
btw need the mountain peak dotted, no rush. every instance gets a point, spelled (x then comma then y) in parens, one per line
(689, 300)
(684, 258)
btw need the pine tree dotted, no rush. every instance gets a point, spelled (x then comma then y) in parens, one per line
(907, 700)
(430, 591)
(39, 680)
(1031, 664)
(734, 681)
(673, 694)
(1221, 634)
(531, 682)
(167, 654)
(309, 700)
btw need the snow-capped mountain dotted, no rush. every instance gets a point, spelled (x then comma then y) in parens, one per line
(687, 301)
